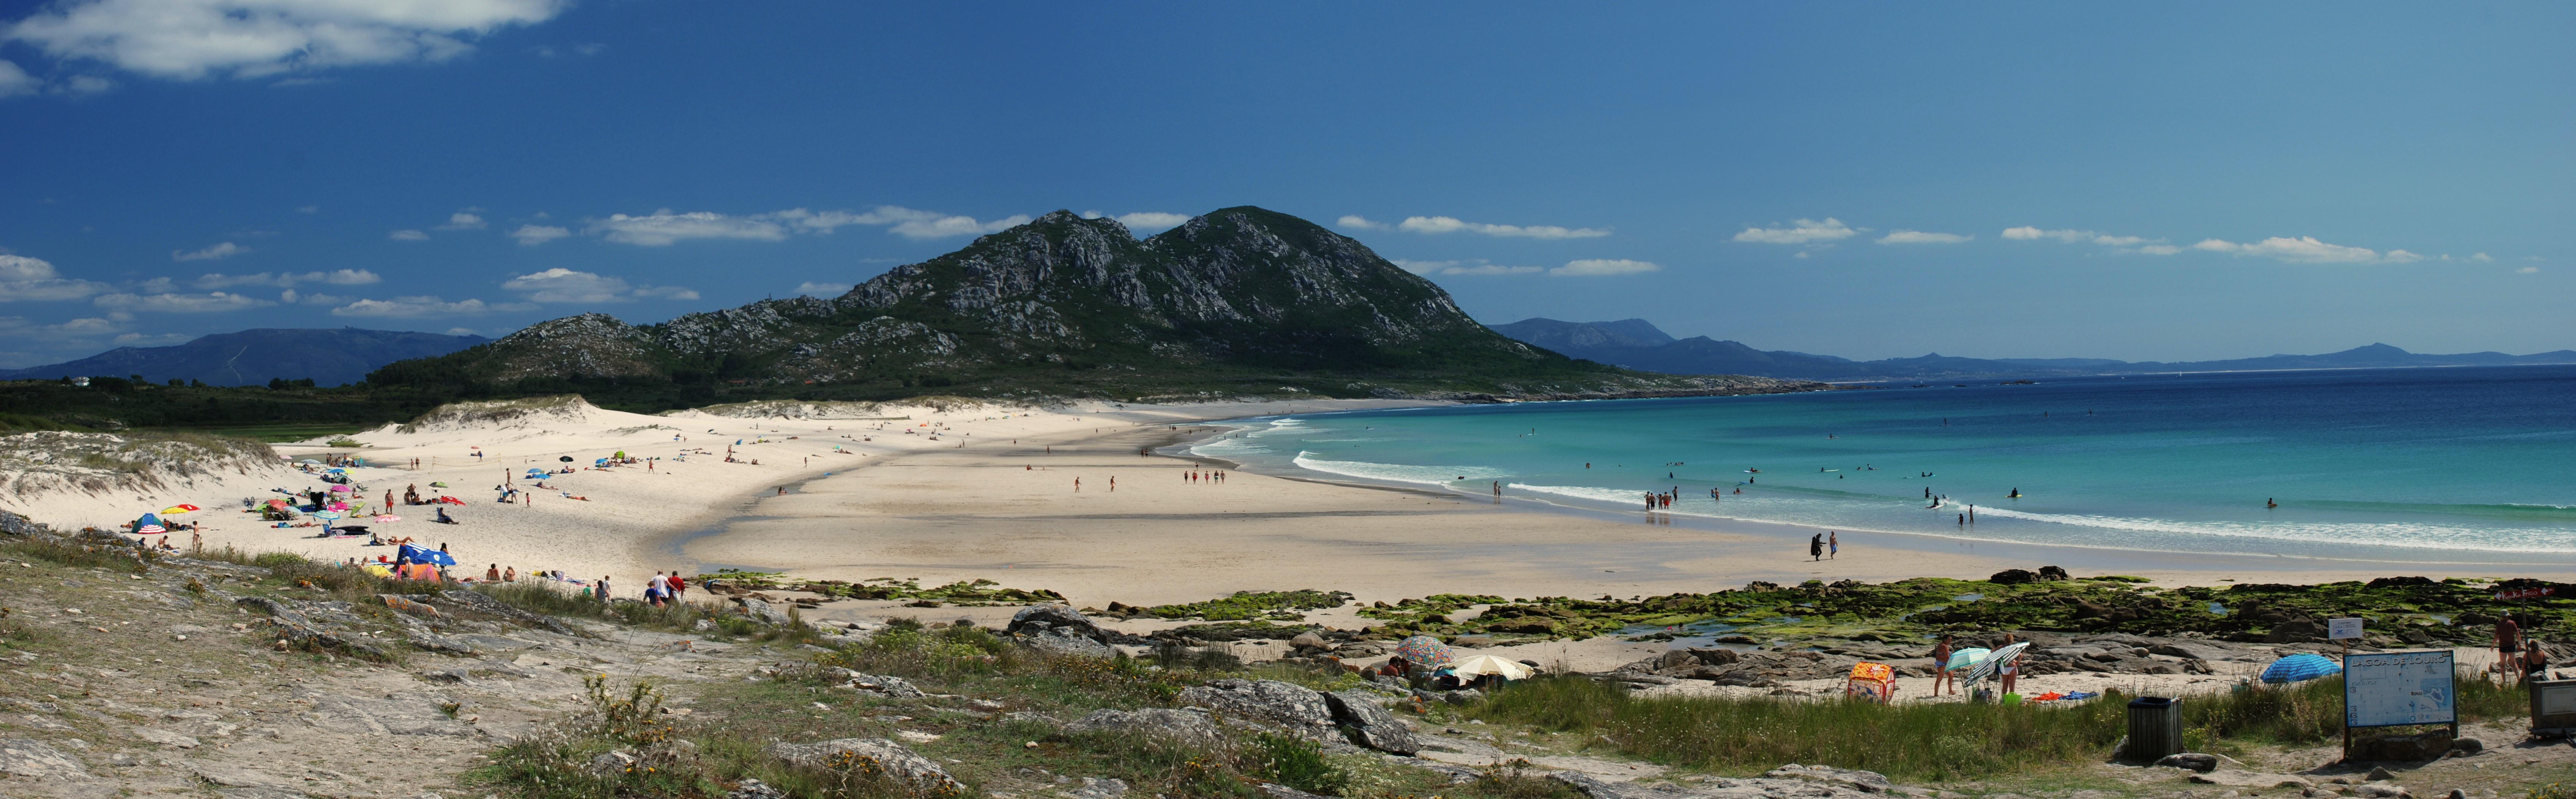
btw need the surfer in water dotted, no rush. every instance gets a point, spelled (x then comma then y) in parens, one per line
(2268, 502)
(2016, 494)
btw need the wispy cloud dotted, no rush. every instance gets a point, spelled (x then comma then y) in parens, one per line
(15, 81)
(1435, 225)
(566, 285)
(2307, 250)
(906, 222)
(1922, 237)
(407, 235)
(192, 39)
(463, 221)
(210, 302)
(211, 253)
(663, 228)
(533, 235)
(1802, 231)
(2137, 245)
(1603, 267)
(24, 279)
(813, 289)
(336, 277)
(1143, 220)
(418, 306)
(2528, 270)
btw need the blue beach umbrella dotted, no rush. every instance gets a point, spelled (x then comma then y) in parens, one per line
(1966, 657)
(2300, 668)
(430, 556)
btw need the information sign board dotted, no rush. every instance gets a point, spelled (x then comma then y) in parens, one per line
(2382, 689)
(2340, 629)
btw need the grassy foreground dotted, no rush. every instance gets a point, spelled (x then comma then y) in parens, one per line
(1930, 741)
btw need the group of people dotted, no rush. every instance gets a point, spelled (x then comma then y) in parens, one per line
(1944, 677)
(1825, 545)
(2518, 655)
(1209, 476)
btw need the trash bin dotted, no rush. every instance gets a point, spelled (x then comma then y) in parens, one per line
(2155, 728)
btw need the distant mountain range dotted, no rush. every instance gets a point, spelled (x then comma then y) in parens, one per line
(1237, 302)
(1638, 344)
(329, 356)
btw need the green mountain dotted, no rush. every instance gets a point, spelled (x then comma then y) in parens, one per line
(1241, 301)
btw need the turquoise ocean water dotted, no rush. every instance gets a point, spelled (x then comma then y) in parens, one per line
(2431, 465)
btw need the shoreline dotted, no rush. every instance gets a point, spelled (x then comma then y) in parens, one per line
(1914, 540)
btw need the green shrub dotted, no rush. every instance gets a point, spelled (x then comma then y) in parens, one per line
(1294, 762)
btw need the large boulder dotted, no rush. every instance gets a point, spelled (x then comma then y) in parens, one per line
(2013, 577)
(1194, 729)
(1866, 781)
(1370, 724)
(1059, 630)
(761, 611)
(2296, 630)
(922, 773)
(1300, 709)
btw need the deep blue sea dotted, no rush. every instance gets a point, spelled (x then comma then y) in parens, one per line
(2466, 464)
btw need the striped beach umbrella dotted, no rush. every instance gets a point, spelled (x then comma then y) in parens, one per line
(1986, 666)
(178, 509)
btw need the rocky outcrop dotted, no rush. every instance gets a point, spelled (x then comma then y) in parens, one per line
(28, 758)
(1059, 630)
(1370, 724)
(923, 774)
(1194, 729)
(1298, 709)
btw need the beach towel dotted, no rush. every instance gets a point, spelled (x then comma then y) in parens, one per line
(1872, 671)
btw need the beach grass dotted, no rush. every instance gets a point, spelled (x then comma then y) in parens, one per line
(1926, 741)
(278, 433)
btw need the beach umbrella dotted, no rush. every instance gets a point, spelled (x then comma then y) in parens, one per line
(387, 517)
(1425, 651)
(328, 515)
(1966, 657)
(150, 529)
(2298, 668)
(277, 503)
(424, 555)
(341, 489)
(179, 509)
(1986, 666)
(335, 470)
(1492, 664)
(564, 458)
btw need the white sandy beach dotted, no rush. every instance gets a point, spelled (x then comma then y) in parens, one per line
(988, 492)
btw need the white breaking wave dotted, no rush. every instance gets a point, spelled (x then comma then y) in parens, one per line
(1419, 475)
(2387, 534)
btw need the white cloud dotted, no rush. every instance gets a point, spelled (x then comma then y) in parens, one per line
(1443, 224)
(1596, 267)
(2158, 249)
(2482, 258)
(1801, 254)
(463, 221)
(407, 235)
(24, 279)
(533, 235)
(662, 228)
(151, 340)
(2306, 250)
(1921, 237)
(2027, 233)
(213, 253)
(416, 307)
(2528, 270)
(336, 277)
(191, 39)
(1803, 231)
(1357, 222)
(15, 81)
(1474, 266)
(812, 289)
(566, 285)
(908, 223)
(210, 302)
(461, 331)
(1153, 220)
(87, 84)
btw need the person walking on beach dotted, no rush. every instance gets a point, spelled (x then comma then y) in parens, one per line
(1816, 547)
(1941, 667)
(1833, 544)
(2508, 643)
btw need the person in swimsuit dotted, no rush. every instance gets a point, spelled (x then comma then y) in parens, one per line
(1941, 667)
(2008, 670)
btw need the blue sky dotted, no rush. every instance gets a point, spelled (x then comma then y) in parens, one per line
(1867, 180)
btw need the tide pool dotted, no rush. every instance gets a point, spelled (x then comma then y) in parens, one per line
(2436, 465)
